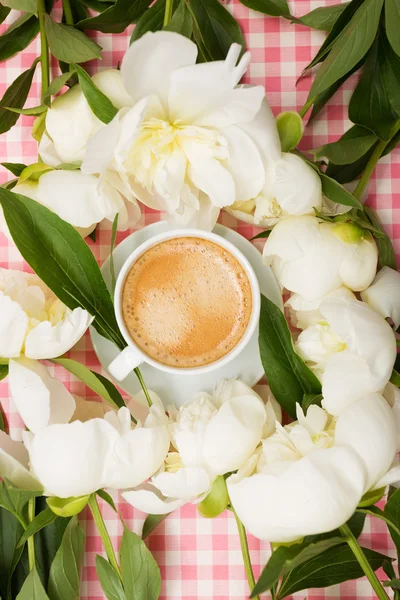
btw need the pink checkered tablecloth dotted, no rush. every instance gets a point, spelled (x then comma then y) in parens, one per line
(199, 558)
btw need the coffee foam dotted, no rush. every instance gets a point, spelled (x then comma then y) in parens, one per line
(186, 302)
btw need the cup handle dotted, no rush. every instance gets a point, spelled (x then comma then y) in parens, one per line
(124, 363)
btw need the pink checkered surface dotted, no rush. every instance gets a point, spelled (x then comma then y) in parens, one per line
(201, 558)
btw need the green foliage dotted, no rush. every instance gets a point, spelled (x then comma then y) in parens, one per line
(323, 17)
(392, 22)
(274, 8)
(350, 147)
(18, 36)
(15, 96)
(151, 20)
(68, 44)
(109, 580)
(151, 522)
(64, 579)
(100, 105)
(117, 17)
(33, 588)
(140, 573)
(290, 129)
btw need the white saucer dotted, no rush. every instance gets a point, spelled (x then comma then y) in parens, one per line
(179, 389)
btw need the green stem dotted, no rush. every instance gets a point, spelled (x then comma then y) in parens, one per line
(31, 539)
(144, 386)
(168, 12)
(304, 109)
(101, 528)
(375, 156)
(69, 19)
(44, 50)
(363, 562)
(246, 554)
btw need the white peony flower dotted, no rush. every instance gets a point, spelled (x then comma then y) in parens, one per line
(383, 295)
(312, 474)
(313, 259)
(69, 457)
(353, 348)
(304, 313)
(33, 321)
(193, 141)
(213, 435)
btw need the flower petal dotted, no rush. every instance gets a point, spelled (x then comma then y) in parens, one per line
(149, 500)
(368, 427)
(14, 460)
(263, 131)
(297, 187)
(244, 163)
(187, 482)
(75, 198)
(40, 399)
(49, 341)
(313, 495)
(13, 327)
(110, 82)
(150, 61)
(383, 295)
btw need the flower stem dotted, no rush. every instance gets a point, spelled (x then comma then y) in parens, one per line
(101, 528)
(375, 156)
(31, 540)
(363, 562)
(168, 12)
(144, 386)
(44, 50)
(69, 19)
(246, 554)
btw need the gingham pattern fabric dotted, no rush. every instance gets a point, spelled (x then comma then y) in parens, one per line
(199, 558)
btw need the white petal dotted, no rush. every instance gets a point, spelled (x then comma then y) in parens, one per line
(149, 500)
(149, 62)
(100, 148)
(70, 123)
(49, 341)
(69, 460)
(391, 393)
(187, 482)
(359, 267)
(263, 131)
(383, 295)
(47, 151)
(193, 212)
(136, 456)
(40, 399)
(296, 187)
(244, 163)
(374, 436)
(306, 312)
(75, 198)
(14, 460)
(392, 477)
(200, 91)
(240, 106)
(313, 495)
(111, 84)
(13, 327)
(233, 433)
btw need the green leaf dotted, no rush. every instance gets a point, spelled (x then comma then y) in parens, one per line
(10, 532)
(64, 580)
(395, 378)
(392, 512)
(369, 105)
(33, 588)
(97, 5)
(34, 172)
(371, 497)
(38, 127)
(309, 400)
(337, 193)
(109, 580)
(351, 171)
(286, 558)
(100, 105)
(216, 27)
(18, 37)
(113, 238)
(107, 498)
(290, 128)
(57, 84)
(4, 12)
(15, 168)
(29, 6)
(3, 372)
(389, 63)
(323, 17)
(151, 522)
(67, 507)
(140, 573)
(34, 111)
(15, 96)
(181, 21)
(68, 44)
(349, 47)
(393, 583)
(334, 566)
(43, 519)
(15, 499)
(97, 383)
(349, 148)
(387, 256)
(392, 22)
(274, 8)
(288, 376)
(62, 259)
(2, 423)
(375, 511)
(262, 235)
(151, 20)
(116, 18)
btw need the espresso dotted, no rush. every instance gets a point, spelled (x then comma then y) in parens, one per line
(186, 302)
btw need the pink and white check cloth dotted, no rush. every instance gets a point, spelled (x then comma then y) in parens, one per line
(200, 559)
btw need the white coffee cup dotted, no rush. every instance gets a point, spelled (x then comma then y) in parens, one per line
(132, 356)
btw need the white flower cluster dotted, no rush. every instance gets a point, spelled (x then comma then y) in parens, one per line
(187, 139)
